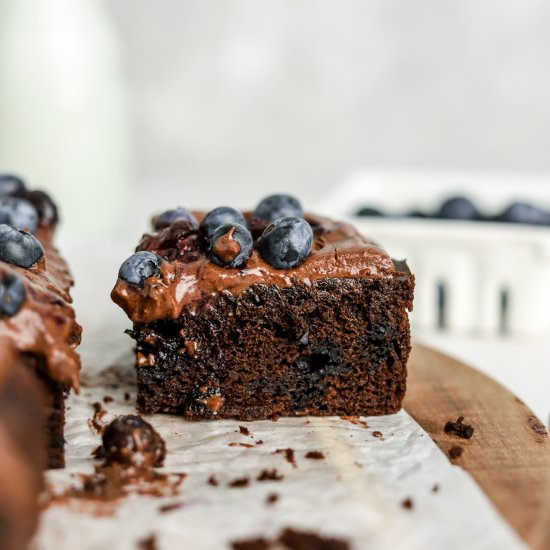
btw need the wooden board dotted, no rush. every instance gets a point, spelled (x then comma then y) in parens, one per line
(509, 453)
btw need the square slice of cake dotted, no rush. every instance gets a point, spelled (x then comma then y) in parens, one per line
(264, 314)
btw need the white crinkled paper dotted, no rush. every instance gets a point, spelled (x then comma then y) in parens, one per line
(355, 493)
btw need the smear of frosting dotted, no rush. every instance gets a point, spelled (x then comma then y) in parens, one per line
(339, 251)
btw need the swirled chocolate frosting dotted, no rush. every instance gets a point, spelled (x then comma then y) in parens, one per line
(187, 277)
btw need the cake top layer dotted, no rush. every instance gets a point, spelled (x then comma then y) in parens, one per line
(35, 313)
(183, 261)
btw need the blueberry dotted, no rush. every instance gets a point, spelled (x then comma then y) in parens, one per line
(11, 186)
(19, 247)
(12, 294)
(278, 206)
(286, 242)
(140, 266)
(131, 440)
(221, 216)
(459, 208)
(18, 213)
(523, 212)
(230, 245)
(46, 208)
(366, 211)
(169, 217)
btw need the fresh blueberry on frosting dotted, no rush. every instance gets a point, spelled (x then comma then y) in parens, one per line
(230, 245)
(12, 294)
(278, 206)
(286, 242)
(140, 266)
(221, 216)
(19, 247)
(11, 186)
(18, 213)
(169, 217)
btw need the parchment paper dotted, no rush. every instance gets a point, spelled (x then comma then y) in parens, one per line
(355, 493)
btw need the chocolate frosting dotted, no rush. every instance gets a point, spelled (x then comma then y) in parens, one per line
(187, 276)
(45, 325)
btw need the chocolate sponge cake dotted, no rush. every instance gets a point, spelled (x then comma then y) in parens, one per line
(274, 312)
(37, 323)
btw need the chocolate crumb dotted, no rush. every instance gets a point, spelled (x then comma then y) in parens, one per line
(244, 430)
(171, 507)
(234, 444)
(96, 422)
(435, 488)
(150, 543)
(272, 498)
(378, 434)
(455, 451)
(315, 455)
(107, 399)
(126, 396)
(252, 544)
(270, 475)
(289, 455)
(213, 481)
(292, 539)
(259, 442)
(239, 482)
(408, 504)
(537, 426)
(465, 431)
(354, 420)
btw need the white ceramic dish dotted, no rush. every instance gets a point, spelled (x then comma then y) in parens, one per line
(494, 276)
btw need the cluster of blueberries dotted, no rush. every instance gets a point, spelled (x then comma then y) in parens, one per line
(17, 246)
(462, 208)
(284, 243)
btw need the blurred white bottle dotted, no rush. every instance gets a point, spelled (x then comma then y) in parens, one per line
(64, 121)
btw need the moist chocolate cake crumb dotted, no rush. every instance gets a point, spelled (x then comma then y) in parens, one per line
(435, 488)
(315, 455)
(213, 481)
(270, 475)
(537, 426)
(259, 442)
(292, 539)
(150, 543)
(378, 434)
(244, 430)
(127, 396)
(455, 451)
(171, 507)
(272, 498)
(96, 422)
(252, 544)
(354, 420)
(239, 482)
(465, 431)
(408, 504)
(289, 455)
(107, 399)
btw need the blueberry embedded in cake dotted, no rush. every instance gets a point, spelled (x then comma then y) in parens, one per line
(266, 313)
(37, 323)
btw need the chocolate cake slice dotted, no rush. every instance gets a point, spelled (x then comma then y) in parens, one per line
(264, 314)
(37, 322)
